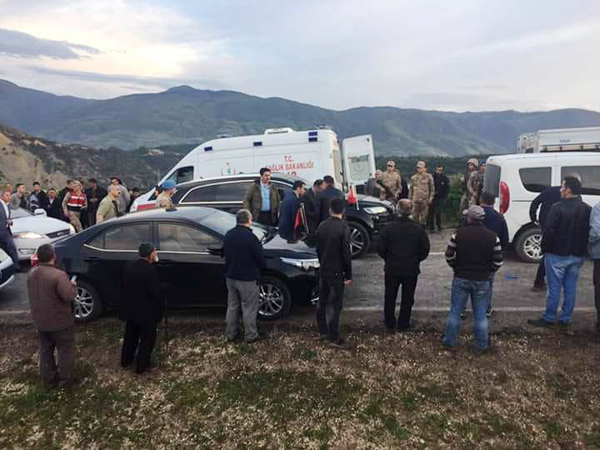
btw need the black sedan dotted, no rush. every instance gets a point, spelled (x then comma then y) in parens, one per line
(191, 267)
(227, 193)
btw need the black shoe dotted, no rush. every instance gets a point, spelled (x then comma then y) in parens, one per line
(409, 327)
(489, 312)
(256, 339)
(541, 322)
(321, 338)
(341, 344)
(478, 351)
(463, 315)
(538, 288)
(566, 328)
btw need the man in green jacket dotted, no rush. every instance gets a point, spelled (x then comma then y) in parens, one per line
(262, 199)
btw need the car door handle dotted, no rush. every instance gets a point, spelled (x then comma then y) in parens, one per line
(92, 259)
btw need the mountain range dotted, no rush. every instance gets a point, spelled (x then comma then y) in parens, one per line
(184, 115)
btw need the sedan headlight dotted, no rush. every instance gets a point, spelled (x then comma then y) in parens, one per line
(29, 235)
(375, 210)
(304, 264)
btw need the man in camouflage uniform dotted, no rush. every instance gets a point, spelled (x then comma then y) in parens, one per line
(472, 166)
(421, 193)
(391, 181)
(475, 184)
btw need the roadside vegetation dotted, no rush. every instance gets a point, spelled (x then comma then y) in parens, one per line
(288, 391)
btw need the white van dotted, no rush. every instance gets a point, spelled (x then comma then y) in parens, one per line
(560, 140)
(307, 154)
(517, 179)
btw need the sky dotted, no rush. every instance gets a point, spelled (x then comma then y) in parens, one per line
(458, 55)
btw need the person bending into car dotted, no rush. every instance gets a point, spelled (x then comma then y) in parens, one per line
(335, 261)
(244, 259)
(51, 296)
(141, 308)
(262, 199)
(289, 209)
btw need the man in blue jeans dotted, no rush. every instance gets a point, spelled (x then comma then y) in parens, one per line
(564, 244)
(475, 253)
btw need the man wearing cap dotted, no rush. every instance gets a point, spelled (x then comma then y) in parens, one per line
(475, 253)
(475, 184)
(421, 193)
(391, 182)
(472, 166)
(51, 296)
(141, 308)
(164, 198)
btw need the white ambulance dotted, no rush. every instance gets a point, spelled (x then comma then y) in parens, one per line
(308, 154)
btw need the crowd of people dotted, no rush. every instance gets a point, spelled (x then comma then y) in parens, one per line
(79, 206)
(571, 230)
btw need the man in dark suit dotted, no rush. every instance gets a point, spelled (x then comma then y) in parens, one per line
(329, 193)
(311, 205)
(53, 205)
(141, 308)
(289, 210)
(6, 238)
(335, 272)
(403, 245)
(94, 194)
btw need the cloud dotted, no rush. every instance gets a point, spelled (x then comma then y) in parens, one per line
(23, 45)
(129, 80)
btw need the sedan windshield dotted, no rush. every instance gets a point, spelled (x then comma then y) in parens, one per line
(222, 222)
(18, 213)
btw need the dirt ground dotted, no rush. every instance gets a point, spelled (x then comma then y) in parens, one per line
(289, 391)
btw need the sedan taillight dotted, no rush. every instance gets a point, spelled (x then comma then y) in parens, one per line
(504, 197)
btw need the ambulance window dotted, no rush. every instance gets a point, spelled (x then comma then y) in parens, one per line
(590, 178)
(536, 179)
(183, 174)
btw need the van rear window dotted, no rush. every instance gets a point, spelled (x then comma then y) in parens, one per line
(536, 179)
(590, 178)
(491, 181)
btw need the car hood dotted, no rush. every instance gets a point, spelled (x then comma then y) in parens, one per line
(369, 200)
(277, 246)
(38, 224)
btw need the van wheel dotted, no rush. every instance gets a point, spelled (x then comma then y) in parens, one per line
(529, 245)
(88, 305)
(275, 300)
(360, 241)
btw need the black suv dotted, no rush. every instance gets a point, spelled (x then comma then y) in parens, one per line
(227, 194)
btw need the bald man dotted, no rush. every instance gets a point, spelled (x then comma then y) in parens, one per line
(403, 245)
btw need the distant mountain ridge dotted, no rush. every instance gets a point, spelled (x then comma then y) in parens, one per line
(184, 115)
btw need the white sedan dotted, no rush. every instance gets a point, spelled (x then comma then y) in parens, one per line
(7, 270)
(30, 230)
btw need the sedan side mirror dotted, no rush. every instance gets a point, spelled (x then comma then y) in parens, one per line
(216, 250)
(39, 212)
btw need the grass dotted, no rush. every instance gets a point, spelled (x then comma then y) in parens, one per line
(291, 392)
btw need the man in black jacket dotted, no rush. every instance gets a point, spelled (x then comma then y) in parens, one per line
(564, 243)
(326, 196)
(244, 259)
(403, 245)
(545, 199)
(94, 194)
(311, 205)
(141, 308)
(335, 272)
(53, 205)
(442, 187)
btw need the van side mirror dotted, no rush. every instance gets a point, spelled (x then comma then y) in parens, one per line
(216, 250)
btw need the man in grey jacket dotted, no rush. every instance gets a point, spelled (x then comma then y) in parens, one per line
(51, 296)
